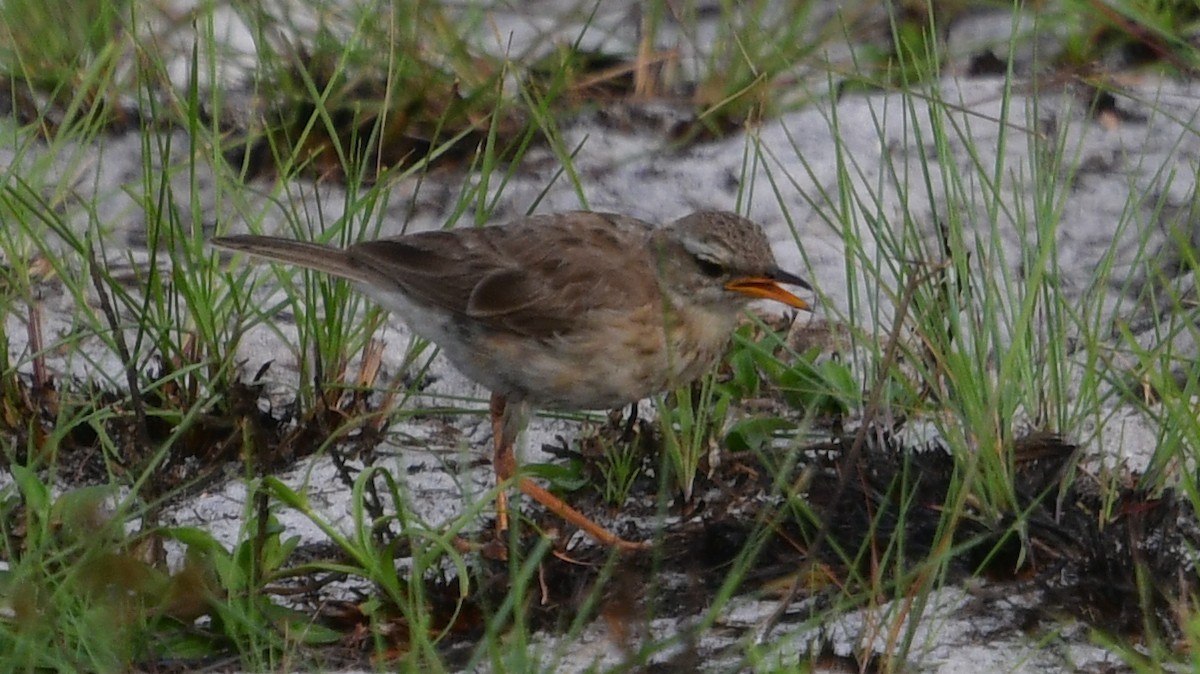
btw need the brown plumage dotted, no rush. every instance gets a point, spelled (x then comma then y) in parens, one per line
(574, 310)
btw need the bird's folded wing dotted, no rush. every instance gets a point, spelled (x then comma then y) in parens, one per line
(538, 277)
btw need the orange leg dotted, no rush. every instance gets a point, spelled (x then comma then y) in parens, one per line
(505, 463)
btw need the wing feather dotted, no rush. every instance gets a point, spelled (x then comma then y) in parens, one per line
(535, 277)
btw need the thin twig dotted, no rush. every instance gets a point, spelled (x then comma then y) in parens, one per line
(131, 371)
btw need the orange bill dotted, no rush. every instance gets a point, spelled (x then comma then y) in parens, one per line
(767, 287)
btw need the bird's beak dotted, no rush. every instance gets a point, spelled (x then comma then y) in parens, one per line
(767, 287)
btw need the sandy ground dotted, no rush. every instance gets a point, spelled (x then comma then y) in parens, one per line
(1145, 160)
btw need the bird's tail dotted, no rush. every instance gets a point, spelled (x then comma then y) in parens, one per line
(316, 256)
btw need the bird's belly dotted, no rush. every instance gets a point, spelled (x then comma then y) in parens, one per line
(603, 369)
(621, 358)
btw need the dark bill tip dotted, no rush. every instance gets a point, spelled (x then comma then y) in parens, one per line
(789, 278)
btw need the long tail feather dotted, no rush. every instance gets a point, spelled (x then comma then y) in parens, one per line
(316, 256)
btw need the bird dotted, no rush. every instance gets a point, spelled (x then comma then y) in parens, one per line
(576, 310)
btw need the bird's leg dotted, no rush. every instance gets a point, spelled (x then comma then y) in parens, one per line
(573, 516)
(505, 462)
(630, 423)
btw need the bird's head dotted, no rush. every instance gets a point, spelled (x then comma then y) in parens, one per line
(721, 260)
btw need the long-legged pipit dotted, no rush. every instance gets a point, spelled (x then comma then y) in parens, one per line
(566, 311)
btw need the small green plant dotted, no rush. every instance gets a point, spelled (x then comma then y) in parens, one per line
(73, 572)
(403, 90)
(620, 465)
(71, 56)
(690, 425)
(373, 548)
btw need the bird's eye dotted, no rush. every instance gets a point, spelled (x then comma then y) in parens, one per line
(709, 268)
